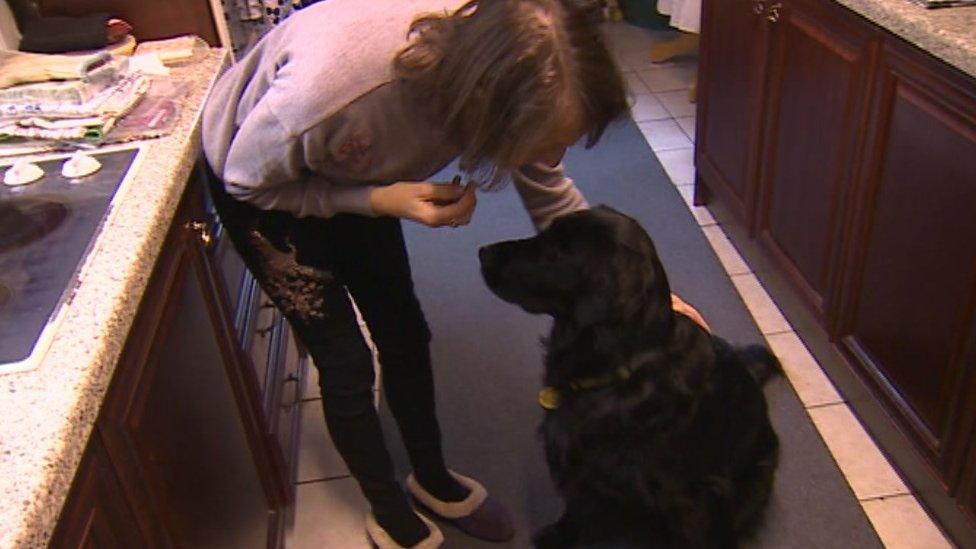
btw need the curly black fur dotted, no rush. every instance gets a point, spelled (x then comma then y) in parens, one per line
(679, 455)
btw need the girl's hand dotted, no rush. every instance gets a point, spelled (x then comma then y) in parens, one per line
(433, 204)
(680, 306)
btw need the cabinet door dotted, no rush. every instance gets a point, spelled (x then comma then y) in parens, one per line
(180, 420)
(911, 297)
(819, 72)
(734, 44)
(96, 513)
(150, 19)
(288, 404)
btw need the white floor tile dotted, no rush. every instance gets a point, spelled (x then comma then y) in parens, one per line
(329, 515)
(865, 468)
(663, 135)
(805, 374)
(646, 107)
(764, 311)
(317, 456)
(726, 252)
(901, 523)
(635, 85)
(701, 213)
(679, 164)
(676, 102)
(669, 78)
(687, 124)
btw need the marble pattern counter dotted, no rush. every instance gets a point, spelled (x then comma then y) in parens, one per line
(947, 33)
(48, 413)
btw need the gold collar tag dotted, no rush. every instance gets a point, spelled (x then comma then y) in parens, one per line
(549, 398)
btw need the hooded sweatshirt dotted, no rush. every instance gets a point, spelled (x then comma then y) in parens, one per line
(313, 118)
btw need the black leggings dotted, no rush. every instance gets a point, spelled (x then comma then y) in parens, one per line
(305, 265)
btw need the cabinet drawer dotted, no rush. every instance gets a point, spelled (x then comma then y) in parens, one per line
(235, 275)
(289, 400)
(259, 336)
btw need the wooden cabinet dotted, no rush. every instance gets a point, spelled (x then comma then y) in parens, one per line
(908, 318)
(816, 91)
(150, 19)
(96, 513)
(191, 449)
(735, 48)
(854, 175)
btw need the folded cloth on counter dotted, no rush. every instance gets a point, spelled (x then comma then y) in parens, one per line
(21, 68)
(70, 92)
(92, 119)
(116, 98)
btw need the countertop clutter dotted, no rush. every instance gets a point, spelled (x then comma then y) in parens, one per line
(49, 412)
(948, 34)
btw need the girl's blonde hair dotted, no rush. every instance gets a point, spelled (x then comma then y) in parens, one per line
(501, 75)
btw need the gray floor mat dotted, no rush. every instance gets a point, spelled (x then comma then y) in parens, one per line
(487, 355)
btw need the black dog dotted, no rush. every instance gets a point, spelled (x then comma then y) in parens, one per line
(658, 434)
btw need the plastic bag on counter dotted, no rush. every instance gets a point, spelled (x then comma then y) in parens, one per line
(155, 115)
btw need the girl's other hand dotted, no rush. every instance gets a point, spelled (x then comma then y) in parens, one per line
(429, 203)
(680, 306)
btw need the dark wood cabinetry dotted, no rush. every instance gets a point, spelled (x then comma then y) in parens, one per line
(819, 68)
(96, 513)
(150, 19)
(908, 319)
(736, 37)
(854, 174)
(194, 444)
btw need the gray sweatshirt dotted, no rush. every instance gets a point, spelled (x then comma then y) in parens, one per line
(312, 118)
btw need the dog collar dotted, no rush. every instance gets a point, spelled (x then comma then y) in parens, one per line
(550, 398)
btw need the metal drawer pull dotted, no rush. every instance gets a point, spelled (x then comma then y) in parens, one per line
(758, 7)
(773, 15)
(202, 229)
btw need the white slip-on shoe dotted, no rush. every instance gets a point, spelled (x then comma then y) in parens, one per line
(478, 515)
(383, 540)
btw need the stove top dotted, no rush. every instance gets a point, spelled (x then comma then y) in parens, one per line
(46, 231)
(24, 220)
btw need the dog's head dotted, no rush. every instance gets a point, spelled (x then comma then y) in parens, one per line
(589, 267)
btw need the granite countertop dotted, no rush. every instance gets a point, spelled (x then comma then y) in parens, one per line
(947, 33)
(48, 413)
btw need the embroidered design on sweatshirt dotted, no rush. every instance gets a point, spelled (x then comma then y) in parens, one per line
(354, 150)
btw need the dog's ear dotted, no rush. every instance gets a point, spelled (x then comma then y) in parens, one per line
(591, 309)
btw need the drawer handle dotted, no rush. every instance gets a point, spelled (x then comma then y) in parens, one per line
(202, 229)
(758, 8)
(773, 15)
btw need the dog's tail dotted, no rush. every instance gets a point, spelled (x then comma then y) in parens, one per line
(761, 363)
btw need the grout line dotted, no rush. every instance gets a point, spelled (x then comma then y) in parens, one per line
(323, 479)
(824, 405)
(899, 494)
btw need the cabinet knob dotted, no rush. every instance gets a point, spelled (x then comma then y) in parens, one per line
(202, 229)
(773, 15)
(758, 7)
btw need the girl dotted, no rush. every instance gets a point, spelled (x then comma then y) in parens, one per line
(323, 137)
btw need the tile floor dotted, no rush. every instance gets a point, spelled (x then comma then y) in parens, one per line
(330, 508)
